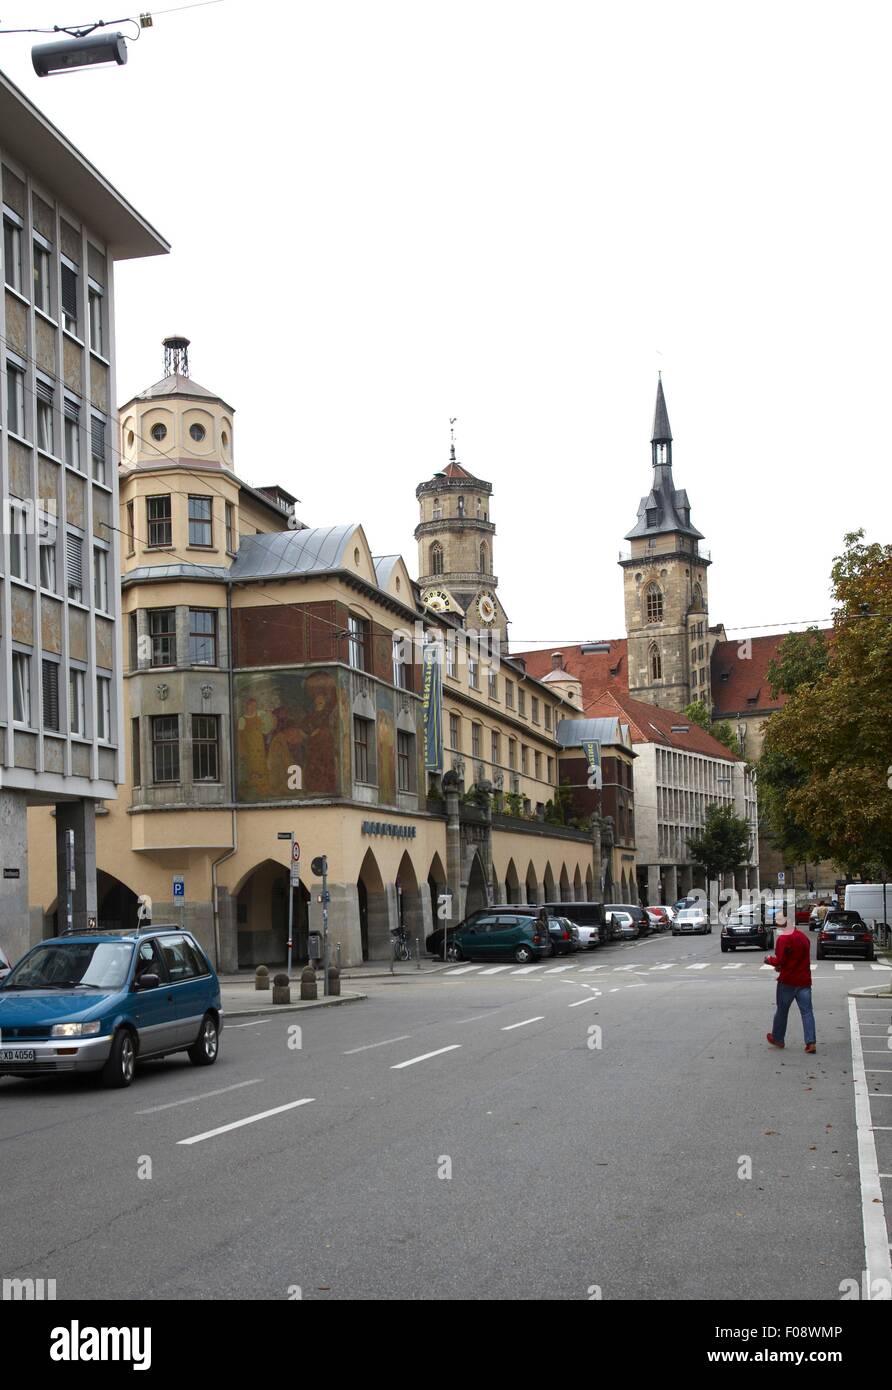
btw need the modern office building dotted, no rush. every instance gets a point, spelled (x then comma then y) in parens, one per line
(64, 227)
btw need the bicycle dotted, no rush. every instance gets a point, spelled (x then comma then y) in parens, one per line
(400, 944)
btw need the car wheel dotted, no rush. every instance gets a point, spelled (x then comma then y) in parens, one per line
(453, 952)
(121, 1064)
(870, 956)
(203, 1052)
(523, 955)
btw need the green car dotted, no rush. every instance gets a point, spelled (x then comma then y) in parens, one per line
(523, 937)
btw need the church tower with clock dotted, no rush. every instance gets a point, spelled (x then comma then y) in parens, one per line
(455, 549)
(665, 583)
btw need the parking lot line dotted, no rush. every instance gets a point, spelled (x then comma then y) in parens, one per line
(508, 1026)
(206, 1095)
(248, 1120)
(398, 1066)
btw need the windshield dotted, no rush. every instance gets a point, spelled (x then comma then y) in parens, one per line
(93, 964)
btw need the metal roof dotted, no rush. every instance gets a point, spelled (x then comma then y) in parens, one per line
(662, 433)
(384, 567)
(145, 573)
(182, 387)
(43, 149)
(316, 549)
(571, 733)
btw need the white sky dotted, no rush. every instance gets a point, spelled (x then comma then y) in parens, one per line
(386, 214)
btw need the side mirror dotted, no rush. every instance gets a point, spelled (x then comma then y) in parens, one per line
(146, 982)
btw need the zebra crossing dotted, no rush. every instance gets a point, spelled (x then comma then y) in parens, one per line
(646, 968)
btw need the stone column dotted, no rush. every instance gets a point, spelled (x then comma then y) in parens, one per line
(685, 880)
(653, 884)
(452, 793)
(79, 816)
(14, 915)
(671, 885)
(343, 922)
(227, 918)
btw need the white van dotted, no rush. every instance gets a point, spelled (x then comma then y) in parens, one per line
(867, 899)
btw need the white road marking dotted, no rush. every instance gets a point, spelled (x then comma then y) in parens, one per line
(589, 1000)
(701, 966)
(526, 969)
(876, 1051)
(368, 1046)
(766, 967)
(590, 969)
(205, 1095)
(618, 968)
(424, 1056)
(495, 969)
(462, 970)
(538, 1019)
(662, 967)
(873, 1215)
(614, 991)
(839, 966)
(556, 969)
(888, 1070)
(732, 967)
(874, 965)
(248, 1120)
(255, 1024)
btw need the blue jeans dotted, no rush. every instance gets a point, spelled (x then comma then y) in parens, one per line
(785, 996)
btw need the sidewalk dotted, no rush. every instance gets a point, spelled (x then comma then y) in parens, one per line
(241, 1000)
(369, 970)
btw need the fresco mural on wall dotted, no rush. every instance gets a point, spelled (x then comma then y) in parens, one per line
(290, 734)
(386, 747)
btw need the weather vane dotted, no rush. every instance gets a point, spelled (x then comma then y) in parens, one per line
(452, 420)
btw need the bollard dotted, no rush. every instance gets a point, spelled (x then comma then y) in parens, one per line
(261, 978)
(338, 961)
(281, 989)
(334, 980)
(417, 954)
(308, 989)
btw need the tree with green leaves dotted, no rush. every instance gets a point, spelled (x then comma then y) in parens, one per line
(722, 845)
(826, 768)
(802, 659)
(698, 713)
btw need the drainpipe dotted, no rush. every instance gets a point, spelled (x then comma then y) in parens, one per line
(234, 831)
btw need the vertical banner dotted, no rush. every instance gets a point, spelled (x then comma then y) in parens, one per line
(432, 705)
(591, 749)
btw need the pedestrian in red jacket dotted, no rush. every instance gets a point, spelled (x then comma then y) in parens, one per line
(792, 961)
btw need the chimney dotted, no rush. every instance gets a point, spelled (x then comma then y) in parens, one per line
(557, 661)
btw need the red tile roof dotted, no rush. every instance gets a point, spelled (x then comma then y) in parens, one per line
(596, 670)
(653, 724)
(740, 675)
(455, 470)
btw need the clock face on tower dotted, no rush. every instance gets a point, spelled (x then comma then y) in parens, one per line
(438, 600)
(486, 607)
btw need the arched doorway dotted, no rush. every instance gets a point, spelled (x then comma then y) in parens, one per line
(262, 917)
(532, 884)
(565, 885)
(589, 885)
(548, 885)
(408, 899)
(116, 904)
(512, 884)
(577, 885)
(374, 924)
(476, 895)
(436, 884)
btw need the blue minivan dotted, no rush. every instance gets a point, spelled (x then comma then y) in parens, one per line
(103, 1001)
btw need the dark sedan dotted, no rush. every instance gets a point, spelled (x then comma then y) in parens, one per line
(845, 934)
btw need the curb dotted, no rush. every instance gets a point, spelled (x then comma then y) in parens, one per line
(328, 1003)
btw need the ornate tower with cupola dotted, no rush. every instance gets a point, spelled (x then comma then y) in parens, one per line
(455, 548)
(665, 583)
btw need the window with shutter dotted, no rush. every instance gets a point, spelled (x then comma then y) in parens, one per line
(51, 695)
(97, 448)
(74, 568)
(69, 298)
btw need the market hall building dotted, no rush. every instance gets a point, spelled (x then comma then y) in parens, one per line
(270, 690)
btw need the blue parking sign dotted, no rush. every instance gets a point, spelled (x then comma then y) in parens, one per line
(179, 887)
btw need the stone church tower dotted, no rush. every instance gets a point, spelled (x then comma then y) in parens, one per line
(455, 548)
(664, 578)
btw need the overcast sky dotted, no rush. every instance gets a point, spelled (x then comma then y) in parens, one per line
(386, 214)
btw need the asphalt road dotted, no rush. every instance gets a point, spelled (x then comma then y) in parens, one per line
(673, 1155)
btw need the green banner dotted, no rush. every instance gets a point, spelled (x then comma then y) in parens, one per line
(432, 705)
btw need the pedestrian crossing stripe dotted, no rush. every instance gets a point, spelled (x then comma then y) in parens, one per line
(625, 969)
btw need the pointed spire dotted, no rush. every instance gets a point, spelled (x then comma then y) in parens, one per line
(662, 433)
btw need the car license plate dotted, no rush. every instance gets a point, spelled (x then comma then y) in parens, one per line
(845, 938)
(16, 1054)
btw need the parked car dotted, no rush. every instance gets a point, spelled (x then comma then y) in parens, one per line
(845, 934)
(103, 1001)
(435, 940)
(745, 927)
(588, 917)
(5, 966)
(637, 914)
(868, 900)
(659, 918)
(691, 920)
(624, 924)
(564, 936)
(523, 936)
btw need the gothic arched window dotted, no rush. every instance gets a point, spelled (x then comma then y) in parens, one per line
(654, 604)
(483, 569)
(656, 663)
(698, 596)
(436, 558)
(461, 506)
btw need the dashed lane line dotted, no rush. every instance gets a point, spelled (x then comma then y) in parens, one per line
(510, 1026)
(205, 1095)
(587, 1000)
(411, 1061)
(248, 1120)
(367, 1047)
